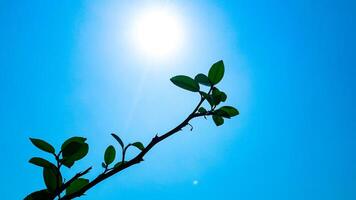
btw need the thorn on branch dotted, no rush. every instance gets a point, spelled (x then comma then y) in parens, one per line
(191, 127)
(155, 138)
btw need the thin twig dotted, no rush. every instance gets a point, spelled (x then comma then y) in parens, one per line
(65, 185)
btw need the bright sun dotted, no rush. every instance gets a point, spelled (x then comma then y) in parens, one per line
(158, 33)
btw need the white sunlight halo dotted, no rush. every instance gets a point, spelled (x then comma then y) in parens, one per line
(158, 33)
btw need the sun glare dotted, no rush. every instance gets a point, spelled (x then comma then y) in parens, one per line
(158, 33)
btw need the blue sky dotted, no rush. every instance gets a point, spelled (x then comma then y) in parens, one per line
(67, 68)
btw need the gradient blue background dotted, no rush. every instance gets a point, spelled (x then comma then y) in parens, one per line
(67, 69)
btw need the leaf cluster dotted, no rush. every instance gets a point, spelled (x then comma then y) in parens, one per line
(213, 96)
(71, 151)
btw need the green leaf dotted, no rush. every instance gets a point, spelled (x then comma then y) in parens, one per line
(216, 72)
(202, 110)
(186, 82)
(73, 139)
(109, 155)
(39, 195)
(208, 98)
(118, 139)
(223, 96)
(231, 111)
(40, 162)
(43, 145)
(204, 94)
(216, 95)
(218, 120)
(76, 185)
(202, 79)
(138, 145)
(74, 151)
(67, 162)
(215, 91)
(211, 101)
(52, 178)
(222, 113)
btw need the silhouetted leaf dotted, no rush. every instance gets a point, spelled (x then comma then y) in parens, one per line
(103, 165)
(223, 96)
(118, 139)
(186, 82)
(43, 145)
(40, 162)
(231, 111)
(67, 162)
(138, 145)
(74, 151)
(222, 113)
(211, 101)
(39, 195)
(204, 94)
(208, 98)
(76, 185)
(218, 120)
(73, 139)
(202, 79)
(202, 110)
(216, 95)
(110, 154)
(215, 91)
(216, 72)
(83, 151)
(52, 178)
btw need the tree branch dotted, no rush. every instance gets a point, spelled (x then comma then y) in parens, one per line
(137, 159)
